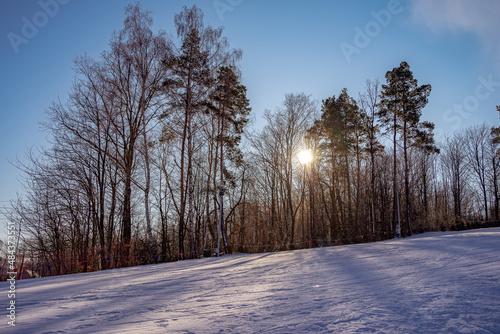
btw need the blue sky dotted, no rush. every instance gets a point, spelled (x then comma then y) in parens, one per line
(288, 47)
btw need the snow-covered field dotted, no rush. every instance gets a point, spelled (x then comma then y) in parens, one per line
(432, 283)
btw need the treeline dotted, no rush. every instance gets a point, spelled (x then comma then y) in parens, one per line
(151, 159)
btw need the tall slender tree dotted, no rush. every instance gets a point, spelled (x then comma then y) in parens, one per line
(340, 121)
(370, 104)
(232, 108)
(134, 71)
(495, 162)
(402, 102)
(477, 145)
(193, 72)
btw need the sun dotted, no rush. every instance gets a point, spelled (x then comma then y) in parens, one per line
(305, 156)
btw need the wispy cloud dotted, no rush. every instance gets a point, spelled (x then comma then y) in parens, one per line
(481, 18)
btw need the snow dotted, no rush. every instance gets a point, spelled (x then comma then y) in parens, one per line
(446, 282)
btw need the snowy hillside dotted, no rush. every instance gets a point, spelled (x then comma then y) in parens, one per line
(436, 282)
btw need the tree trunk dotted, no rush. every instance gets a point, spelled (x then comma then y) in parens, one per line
(495, 186)
(126, 217)
(407, 182)
(372, 181)
(146, 192)
(394, 176)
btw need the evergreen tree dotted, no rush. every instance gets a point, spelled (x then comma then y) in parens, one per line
(193, 72)
(340, 126)
(402, 102)
(231, 106)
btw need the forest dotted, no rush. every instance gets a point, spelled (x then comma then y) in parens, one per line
(154, 158)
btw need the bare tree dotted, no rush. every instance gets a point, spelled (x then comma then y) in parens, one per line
(454, 158)
(476, 143)
(133, 72)
(370, 103)
(277, 147)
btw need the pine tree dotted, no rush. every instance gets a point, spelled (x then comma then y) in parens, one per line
(340, 125)
(402, 103)
(231, 106)
(495, 159)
